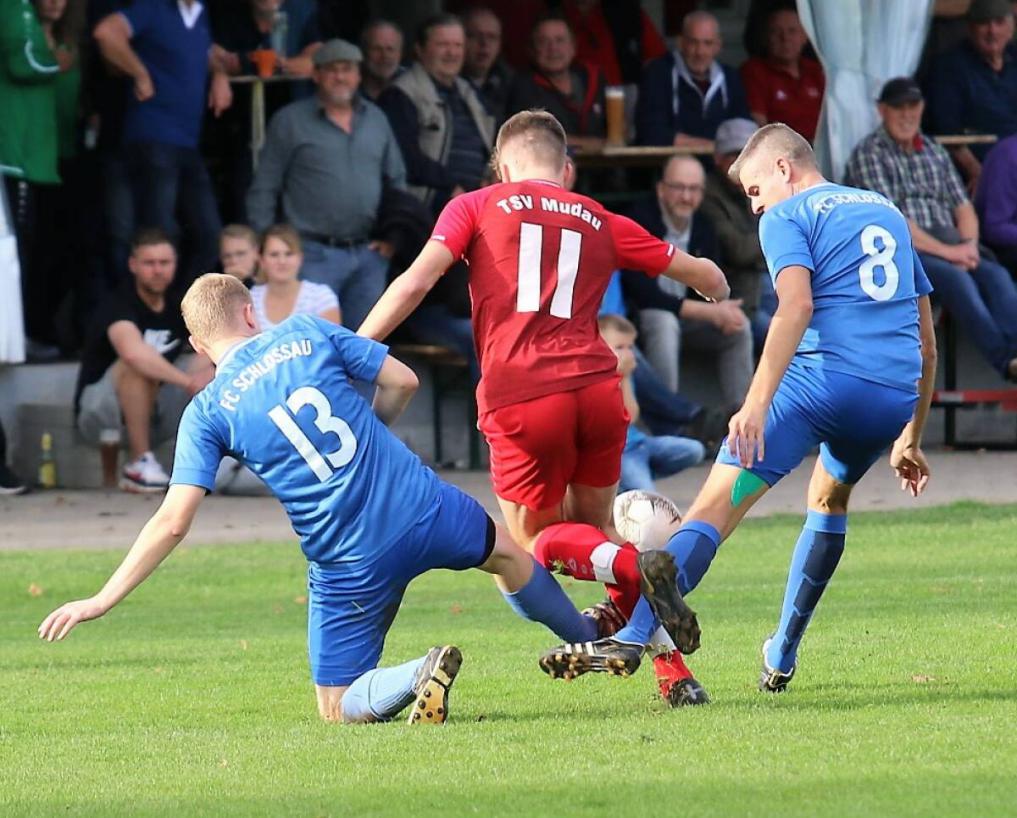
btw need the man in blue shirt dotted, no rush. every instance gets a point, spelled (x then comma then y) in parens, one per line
(848, 365)
(370, 516)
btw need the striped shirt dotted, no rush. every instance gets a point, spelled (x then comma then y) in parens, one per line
(922, 182)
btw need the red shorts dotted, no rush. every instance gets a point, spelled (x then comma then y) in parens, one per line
(540, 446)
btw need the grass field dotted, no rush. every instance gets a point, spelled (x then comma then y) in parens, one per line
(192, 697)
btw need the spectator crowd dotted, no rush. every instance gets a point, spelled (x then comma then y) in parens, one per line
(126, 146)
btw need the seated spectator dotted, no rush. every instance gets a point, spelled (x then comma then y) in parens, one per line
(617, 38)
(913, 171)
(483, 66)
(382, 44)
(686, 94)
(646, 457)
(785, 86)
(443, 129)
(669, 316)
(127, 377)
(279, 293)
(166, 50)
(238, 252)
(10, 483)
(737, 228)
(325, 163)
(973, 89)
(572, 91)
(996, 201)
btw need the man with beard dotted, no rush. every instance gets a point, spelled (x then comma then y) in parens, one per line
(328, 158)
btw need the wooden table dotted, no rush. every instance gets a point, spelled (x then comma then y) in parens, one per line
(258, 106)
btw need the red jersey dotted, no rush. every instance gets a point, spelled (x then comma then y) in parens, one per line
(780, 97)
(540, 259)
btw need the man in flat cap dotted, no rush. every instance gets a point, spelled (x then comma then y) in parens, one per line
(916, 173)
(973, 89)
(325, 163)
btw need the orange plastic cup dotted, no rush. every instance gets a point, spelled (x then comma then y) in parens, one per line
(264, 60)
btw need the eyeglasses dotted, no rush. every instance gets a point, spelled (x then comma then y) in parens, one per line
(677, 187)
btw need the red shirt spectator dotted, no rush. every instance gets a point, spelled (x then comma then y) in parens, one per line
(618, 40)
(784, 86)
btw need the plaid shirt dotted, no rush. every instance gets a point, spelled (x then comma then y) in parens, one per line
(923, 183)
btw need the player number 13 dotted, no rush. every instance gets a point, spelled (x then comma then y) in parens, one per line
(322, 464)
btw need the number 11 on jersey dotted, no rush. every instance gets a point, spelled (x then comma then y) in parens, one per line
(531, 240)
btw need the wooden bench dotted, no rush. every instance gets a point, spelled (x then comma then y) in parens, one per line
(450, 374)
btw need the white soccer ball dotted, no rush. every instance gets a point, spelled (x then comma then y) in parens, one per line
(645, 519)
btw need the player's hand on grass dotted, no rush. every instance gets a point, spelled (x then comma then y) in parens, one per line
(911, 466)
(745, 435)
(60, 622)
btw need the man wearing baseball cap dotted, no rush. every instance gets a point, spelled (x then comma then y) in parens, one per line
(325, 163)
(973, 89)
(916, 174)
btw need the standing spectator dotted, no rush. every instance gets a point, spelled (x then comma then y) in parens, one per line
(482, 66)
(28, 142)
(686, 94)
(166, 50)
(382, 44)
(571, 90)
(785, 86)
(127, 377)
(646, 457)
(238, 252)
(325, 164)
(616, 36)
(669, 317)
(898, 161)
(280, 293)
(728, 210)
(10, 483)
(443, 129)
(974, 87)
(996, 201)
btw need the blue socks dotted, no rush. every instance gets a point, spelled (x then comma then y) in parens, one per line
(543, 600)
(381, 693)
(693, 547)
(815, 557)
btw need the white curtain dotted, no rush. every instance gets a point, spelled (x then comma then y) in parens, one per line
(862, 44)
(12, 331)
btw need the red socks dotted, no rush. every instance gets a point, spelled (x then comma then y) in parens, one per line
(585, 552)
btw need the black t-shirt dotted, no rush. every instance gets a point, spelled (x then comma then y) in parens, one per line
(163, 330)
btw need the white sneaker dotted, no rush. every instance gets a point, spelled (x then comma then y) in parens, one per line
(144, 476)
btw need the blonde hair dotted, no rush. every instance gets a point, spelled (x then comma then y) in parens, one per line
(617, 323)
(779, 139)
(541, 135)
(213, 304)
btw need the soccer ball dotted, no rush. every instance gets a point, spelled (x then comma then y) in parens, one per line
(645, 519)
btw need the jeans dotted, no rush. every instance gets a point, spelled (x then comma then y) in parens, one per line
(356, 274)
(663, 335)
(983, 301)
(168, 181)
(434, 324)
(661, 410)
(654, 457)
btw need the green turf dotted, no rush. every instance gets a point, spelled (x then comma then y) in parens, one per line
(192, 697)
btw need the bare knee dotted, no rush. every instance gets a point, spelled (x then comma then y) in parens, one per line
(827, 495)
(330, 703)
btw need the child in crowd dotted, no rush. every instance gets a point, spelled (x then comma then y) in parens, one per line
(646, 457)
(238, 252)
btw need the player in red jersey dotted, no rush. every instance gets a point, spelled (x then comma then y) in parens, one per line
(550, 406)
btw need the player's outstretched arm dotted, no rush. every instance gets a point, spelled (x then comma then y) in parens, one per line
(794, 312)
(701, 274)
(396, 383)
(161, 534)
(907, 457)
(404, 294)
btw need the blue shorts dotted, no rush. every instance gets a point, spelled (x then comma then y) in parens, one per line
(350, 609)
(852, 420)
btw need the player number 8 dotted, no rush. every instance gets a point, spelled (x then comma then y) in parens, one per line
(326, 423)
(878, 258)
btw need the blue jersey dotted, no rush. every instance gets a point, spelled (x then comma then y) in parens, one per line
(283, 403)
(866, 278)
